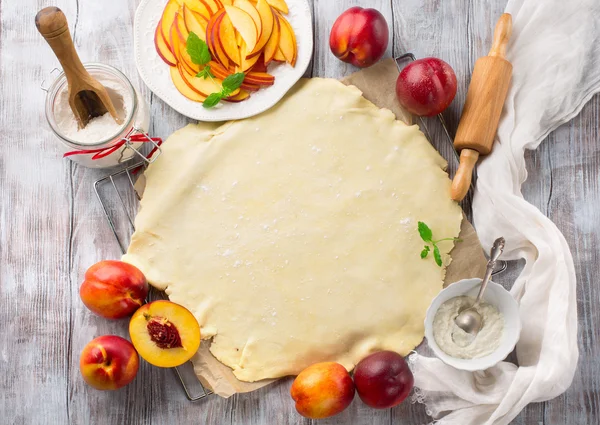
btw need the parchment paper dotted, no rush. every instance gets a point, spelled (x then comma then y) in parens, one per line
(378, 85)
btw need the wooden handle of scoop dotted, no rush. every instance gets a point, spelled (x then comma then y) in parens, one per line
(483, 107)
(51, 22)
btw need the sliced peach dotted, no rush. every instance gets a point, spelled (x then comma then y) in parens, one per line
(246, 63)
(240, 97)
(273, 44)
(251, 10)
(183, 88)
(199, 7)
(260, 65)
(165, 334)
(168, 17)
(195, 23)
(214, 5)
(227, 2)
(260, 78)
(181, 28)
(279, 57)
(280, 5)
(162, 48)
(267, 20)
(219, 70)
(287, 41)
(226, 38)
(249, 86)
(180, 47)
(202, 86)
(244, 23)
(217, 52)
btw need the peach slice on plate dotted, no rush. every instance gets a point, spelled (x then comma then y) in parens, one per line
(245, 25)
(280, 5)
(162, 48)
(198, 7)
(212, 39)
(251, 10)
(195, 23)
(168, 17)
(165, 334)
(205, 87)
(273, 44)
(108, 362)
(225, 35)
(287, 41)
(260, 78)
(247, 63)
(183, 88)
(241, 96)
(214, 5)
(267, 21)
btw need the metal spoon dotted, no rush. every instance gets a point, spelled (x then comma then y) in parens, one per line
(469, 319)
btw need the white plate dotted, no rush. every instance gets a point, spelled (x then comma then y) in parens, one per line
(155, 72)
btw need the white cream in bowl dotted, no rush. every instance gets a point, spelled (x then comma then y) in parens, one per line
(496, 296)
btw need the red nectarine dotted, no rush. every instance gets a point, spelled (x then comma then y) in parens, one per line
(359, 36)
(426, 87)
(113, 289)
(108, 362)
(383, 379)
(322, 390)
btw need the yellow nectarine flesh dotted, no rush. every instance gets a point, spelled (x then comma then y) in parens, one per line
(243, 23)
(165, 334)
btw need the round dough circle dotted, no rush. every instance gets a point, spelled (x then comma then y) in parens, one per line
(292, 236)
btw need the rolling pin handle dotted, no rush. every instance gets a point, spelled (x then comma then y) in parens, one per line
(502, 35)
(464, 174)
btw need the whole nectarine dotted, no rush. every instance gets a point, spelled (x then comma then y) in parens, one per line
(383, 379)
(164, 333)
(426, 87)
(322, 390)
(359, 36)
(113, 289)
(108, 362)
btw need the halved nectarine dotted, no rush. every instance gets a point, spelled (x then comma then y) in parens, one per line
(165, 334)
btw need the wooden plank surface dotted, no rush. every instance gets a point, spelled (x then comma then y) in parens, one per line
(52, 228)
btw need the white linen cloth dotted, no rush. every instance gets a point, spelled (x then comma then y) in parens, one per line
(555, 51)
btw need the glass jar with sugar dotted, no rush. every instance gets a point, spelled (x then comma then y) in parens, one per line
(102, 142)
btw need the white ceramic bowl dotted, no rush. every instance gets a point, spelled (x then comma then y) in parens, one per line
(495, 295)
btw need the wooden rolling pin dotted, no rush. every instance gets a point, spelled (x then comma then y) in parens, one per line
(483, 106)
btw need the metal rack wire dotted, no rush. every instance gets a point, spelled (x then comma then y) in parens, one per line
(119, 200)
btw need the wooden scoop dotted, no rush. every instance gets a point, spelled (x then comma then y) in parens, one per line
(483, 106)
(87, 97)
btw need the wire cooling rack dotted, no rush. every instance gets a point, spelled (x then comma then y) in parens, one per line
(119, 200)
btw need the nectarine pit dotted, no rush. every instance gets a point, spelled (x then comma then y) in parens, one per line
(163, 333)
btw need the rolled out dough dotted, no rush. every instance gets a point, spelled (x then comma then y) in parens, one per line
(292, 236)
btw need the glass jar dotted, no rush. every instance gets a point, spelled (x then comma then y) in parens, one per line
(112, 149)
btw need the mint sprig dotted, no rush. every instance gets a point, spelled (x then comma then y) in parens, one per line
(230, 84)
(427, 236)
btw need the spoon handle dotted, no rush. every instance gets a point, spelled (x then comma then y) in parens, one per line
(495, 253)
(52, 24)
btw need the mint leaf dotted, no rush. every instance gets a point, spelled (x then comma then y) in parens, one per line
(425, 252)
(197, 49)
(213, 100)
(425, 232)
(205, 73)
(437, 255)
(232, 83)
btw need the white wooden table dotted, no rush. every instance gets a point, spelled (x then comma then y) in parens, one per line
(52, 227)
